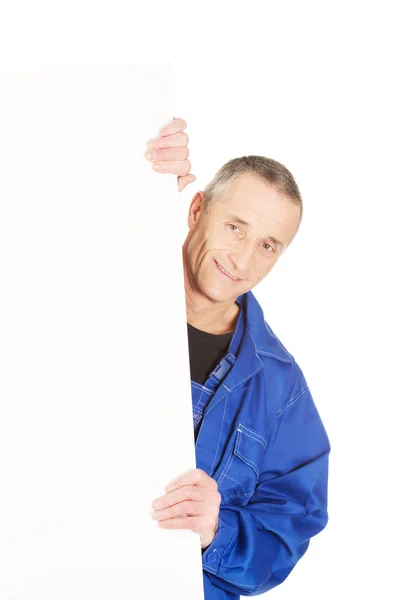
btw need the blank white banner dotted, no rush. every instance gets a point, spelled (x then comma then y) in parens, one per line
(95, 397)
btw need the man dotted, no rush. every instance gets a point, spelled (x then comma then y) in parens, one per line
(259, 492)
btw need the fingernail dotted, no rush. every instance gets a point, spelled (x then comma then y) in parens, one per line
(167, 123)
(150, 155)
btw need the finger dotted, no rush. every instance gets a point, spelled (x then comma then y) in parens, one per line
(186, 508)
(185, 493)
(192, 523)
(177, 139)
(174, 127)
(175, 167)
(178, 153)
(184, 180)
(193, 477)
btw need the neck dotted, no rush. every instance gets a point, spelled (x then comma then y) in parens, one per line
(210, 318)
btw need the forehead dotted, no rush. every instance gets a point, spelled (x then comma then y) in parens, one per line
(258, 203)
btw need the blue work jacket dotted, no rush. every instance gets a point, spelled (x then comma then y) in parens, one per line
(259, 435)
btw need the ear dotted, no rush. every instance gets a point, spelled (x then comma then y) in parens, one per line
(196, 210)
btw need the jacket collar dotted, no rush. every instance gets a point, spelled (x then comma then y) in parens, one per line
(265, 341)
(252, 338)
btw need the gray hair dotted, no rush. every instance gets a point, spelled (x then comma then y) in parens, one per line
(266, 168)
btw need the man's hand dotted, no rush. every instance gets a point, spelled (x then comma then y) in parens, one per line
(169, 152)
(192, 502)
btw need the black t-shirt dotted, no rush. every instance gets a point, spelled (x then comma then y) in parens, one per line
(205, 352)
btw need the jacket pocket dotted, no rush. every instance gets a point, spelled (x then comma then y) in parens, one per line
(240, 475)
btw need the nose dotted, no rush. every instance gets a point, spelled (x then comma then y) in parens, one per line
(241, 255)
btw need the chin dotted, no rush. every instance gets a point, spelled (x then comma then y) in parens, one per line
(217, 294)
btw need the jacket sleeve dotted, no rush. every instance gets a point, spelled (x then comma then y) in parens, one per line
(256, 546)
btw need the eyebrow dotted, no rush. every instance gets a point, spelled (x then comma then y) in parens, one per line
(239, 220)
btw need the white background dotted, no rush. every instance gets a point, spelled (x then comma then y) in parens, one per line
(314, 86)
(95, 405)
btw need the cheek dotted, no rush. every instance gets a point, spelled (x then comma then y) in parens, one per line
(210, 242)
(199, 249)
(221, 241)
(265, 269)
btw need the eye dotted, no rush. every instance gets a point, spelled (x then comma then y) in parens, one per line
(232, 225)
(269, 247)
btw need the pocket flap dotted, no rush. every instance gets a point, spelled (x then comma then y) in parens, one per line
(250, 447)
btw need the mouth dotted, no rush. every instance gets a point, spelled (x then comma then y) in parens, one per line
(226, 274)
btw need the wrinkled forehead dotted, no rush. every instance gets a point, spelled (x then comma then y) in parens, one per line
(248, 186)
(253, 195)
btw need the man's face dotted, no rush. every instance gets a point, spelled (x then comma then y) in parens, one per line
(222, 239)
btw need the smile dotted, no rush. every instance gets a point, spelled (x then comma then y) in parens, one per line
(228, 275)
